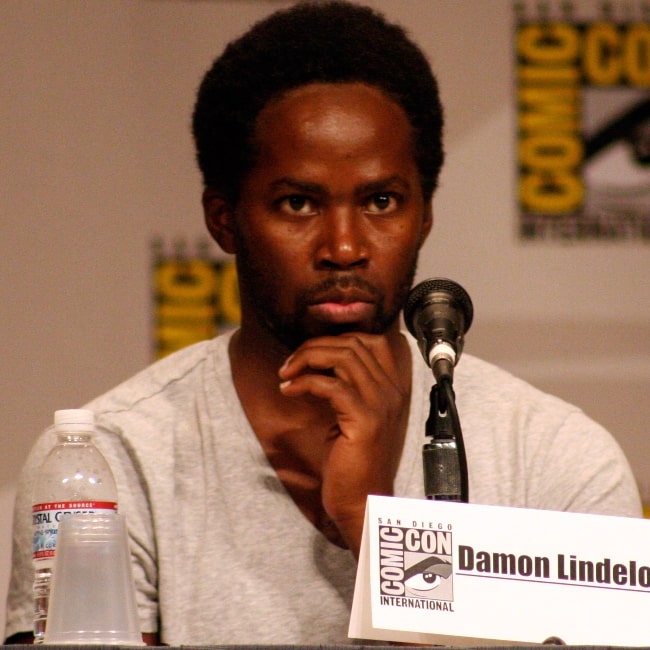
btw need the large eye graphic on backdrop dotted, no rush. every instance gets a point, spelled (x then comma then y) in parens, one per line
(616, 165)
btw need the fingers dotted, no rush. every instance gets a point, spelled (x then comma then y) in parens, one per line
(344, 369)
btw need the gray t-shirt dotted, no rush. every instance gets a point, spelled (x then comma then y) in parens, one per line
(222, 555)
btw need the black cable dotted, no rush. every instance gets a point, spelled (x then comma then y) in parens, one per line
(450, 400)
(443, 456)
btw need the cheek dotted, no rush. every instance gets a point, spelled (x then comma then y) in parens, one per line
(398, 246)
(291, 245)
(279, 256)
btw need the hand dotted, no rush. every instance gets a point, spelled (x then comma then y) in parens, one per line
(359, 376)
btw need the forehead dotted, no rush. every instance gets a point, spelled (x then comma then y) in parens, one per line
(341, 120)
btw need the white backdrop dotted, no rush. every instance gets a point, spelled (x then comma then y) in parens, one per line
(96, 159)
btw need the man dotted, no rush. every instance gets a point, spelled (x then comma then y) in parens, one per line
(244, 463)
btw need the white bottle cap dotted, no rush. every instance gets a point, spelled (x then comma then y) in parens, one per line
(74, 420)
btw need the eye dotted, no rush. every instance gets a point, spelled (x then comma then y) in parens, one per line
(427, 574)
(297, 204)
(382, 202)
(424, 581)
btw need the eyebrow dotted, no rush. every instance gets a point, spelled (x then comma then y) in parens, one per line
(299, 186)
(381, 185)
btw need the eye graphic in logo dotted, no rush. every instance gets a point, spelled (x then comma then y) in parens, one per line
(427, 575)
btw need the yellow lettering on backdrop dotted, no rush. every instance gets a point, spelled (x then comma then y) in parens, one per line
(617, 54)
(548, 108)
(557, 192)
(185, 305)
(550, 145)
(551, 151)
(548, 43)
(636, 55)
(602, 61)
(229, 294)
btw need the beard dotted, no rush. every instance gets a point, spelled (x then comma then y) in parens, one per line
(291, 327)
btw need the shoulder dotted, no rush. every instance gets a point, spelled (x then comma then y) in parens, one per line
(146, 415)
(168, 380)
(566, 459)
(529, 448)
(497, 408)
(481, 386)
(485, 386)
(490, 396)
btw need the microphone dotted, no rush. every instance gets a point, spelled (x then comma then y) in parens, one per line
(437, 313)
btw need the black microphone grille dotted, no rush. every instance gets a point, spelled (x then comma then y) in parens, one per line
(437, 285)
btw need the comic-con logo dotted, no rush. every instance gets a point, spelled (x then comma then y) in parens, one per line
(415, 562)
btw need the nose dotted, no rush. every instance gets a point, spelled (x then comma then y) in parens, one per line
(343, 244)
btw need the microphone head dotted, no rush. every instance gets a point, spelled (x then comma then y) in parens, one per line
(438, 310)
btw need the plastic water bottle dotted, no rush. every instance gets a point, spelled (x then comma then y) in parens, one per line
(74, 478)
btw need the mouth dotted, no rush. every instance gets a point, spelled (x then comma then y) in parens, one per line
(342, 306)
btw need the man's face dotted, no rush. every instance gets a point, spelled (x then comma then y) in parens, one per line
(331, 217)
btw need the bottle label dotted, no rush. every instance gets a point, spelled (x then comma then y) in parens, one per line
(46, 518)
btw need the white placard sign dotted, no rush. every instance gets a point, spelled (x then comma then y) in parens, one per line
(436, 572)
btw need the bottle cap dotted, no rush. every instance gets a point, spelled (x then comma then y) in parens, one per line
(74, 420)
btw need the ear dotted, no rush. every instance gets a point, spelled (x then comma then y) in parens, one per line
(427, 222)
(219, 218)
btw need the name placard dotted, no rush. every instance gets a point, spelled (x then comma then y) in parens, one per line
(435, 572)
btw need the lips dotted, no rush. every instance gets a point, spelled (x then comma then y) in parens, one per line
(342, 306)
(342, 296)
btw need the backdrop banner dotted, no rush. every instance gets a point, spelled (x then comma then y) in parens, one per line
(583, 114)
(195, 295)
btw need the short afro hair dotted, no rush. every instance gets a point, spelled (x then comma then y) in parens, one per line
(311, 42)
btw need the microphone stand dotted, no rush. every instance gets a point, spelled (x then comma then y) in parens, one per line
(444, 459)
